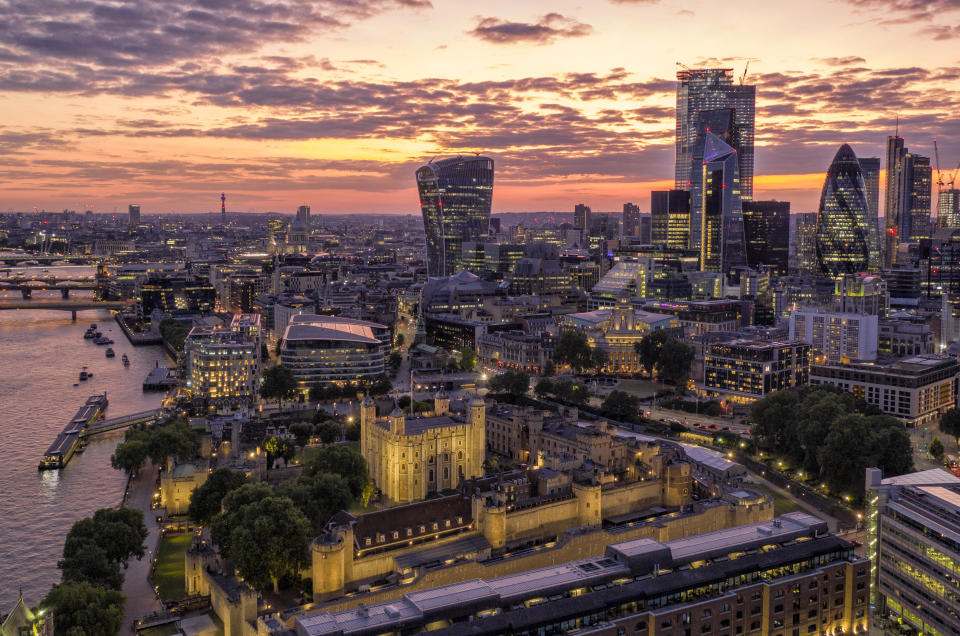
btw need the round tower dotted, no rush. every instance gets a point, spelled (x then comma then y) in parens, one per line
(327, 565)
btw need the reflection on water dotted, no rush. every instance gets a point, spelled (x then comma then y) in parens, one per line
(41, 354)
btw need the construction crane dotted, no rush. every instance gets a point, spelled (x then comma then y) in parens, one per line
(744, 76)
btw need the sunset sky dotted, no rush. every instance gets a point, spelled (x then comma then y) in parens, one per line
(333, 103)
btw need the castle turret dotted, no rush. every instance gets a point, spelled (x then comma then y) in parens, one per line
(477, 436)
(441, 403)
(368, 417)
(397, 423)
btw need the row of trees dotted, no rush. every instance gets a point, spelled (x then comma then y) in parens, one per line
(566, 391)
(831, 435)
(513, 383)
(265, 531)
(381, 385)
(88, 599)
(670, 358)
(174, 333)
(574, 350)
(172, 437)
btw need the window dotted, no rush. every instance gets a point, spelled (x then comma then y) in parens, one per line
(812, 627)
(777, 609)
(779, 594)
(705, 628)
(640, 627)
(706, 613)
(666, 623)
(725, 608)
(367, 541)
(754, 625)
(409, 532)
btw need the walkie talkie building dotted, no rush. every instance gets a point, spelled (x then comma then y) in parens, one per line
(455, 197)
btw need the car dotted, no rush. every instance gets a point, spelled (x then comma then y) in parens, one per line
(726, 428)
(713, 426)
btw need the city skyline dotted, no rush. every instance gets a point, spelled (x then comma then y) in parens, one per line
(336, 107)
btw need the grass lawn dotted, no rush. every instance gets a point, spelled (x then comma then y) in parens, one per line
(781, 505)
(641, 388)
(169, 574)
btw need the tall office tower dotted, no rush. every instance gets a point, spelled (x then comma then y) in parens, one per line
(644, 229)
(722, 247)
(455, 198)
(948, 209)
(704, 89)
(895, 152)
(581, 217)
(870, 167)
(842, 227)
(670, 218)
(766, 228)
(631, 219)
(303, 215)
(803, 242)
(133, 215)
(914, 185)
(721, 123)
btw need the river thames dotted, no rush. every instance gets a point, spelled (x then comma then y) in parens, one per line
(43, 352)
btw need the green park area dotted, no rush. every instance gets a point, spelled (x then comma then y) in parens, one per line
(168, 576)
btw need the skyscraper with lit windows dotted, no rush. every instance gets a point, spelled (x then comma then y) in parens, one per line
(870, 166)
(842, 225)
(455, 198)
(722, 247)
(705, 89)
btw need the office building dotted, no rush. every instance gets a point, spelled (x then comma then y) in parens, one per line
(303, 215)
(746, 370)
(908, 197)
(133, 215)
(616, 331)
(912, 525)
(843, 237)
(333, 350)
(870, 168)
(766, 228)
(895, 152)
(221, 366)
(836, 336)
(861, 294)
(706, 316)
(769, 577)
(581, 217)
(722, 244)
(173, 295)
(455, 199)
(631, 220)
(803, 244)
(670, 218)
(948, 209)
(916, 390)
(705, 89)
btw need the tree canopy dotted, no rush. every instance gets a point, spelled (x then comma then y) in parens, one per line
(169, 438)
(82, 609)
(514, 383)
(468, 359)
(207, 500)
(344, 461)
(278, 384)
(950, 423)
(173, 332)
(829, 434)
(670, 358)
(620, 405)
(268, 540)
(573, 349)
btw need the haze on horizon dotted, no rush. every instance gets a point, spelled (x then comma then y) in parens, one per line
(334, 103)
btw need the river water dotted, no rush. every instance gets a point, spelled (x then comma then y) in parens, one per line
(41, 355)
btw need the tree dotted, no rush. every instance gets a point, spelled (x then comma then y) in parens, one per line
(936, 449)
(399, 340)
(648, 349)
(573, 349)
(222, 525)
(286, 451)
(543, 387)
(91, 565)
(278, 384)
(598, 360)
(269, 539)
(206, 502)
(340, 460)
(468, 359)
(174, 333)
(673, 362)
(353, 432)
(118, 531)
(621, 406)
(950, 423)
(129, 455)
(513, 383)
(301, 432)
(327, 431)
(550, 368)
(319, 496)
(82, 609)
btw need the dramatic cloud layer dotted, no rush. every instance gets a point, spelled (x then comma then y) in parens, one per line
(337, 101)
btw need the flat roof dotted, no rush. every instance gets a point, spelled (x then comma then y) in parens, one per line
(922, 478)
(330, 331)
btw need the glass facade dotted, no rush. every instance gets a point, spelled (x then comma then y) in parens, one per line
(705, 89)
(670, 218)
(722, 246)
(870, 166)
(842, 224)
(455, 198)
(766, 226)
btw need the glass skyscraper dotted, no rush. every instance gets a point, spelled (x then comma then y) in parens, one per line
(842, 225)
(670, 218)
(705, 89)
(766, 226)
(948, 208)
(870, 166)
(895, 152)
(722, 247)
(455, 198)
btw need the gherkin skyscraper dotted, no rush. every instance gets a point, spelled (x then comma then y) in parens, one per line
(843, 234)
(455, 198)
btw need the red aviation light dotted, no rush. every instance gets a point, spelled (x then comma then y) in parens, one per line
(892, 231)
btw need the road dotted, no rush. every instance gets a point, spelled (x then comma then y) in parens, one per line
(141, 598)
(721, 423)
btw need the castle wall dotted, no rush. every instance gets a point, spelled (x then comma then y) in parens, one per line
(588, 544)
(631, 497)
